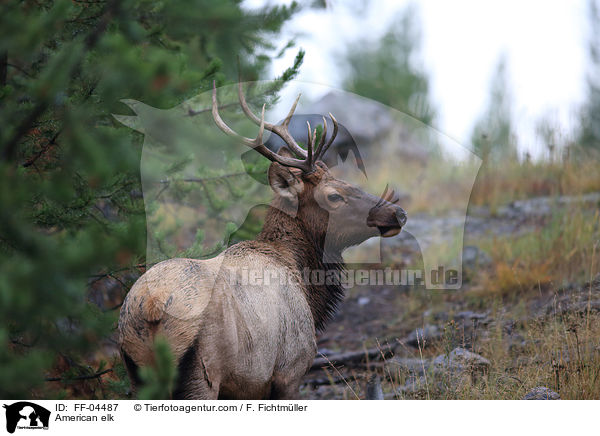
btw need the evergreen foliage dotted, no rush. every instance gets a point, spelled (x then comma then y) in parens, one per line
(72, 219)
(589, 135)
(388, 70)
(493, 137)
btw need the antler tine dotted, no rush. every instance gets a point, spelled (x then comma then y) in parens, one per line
(319, 151)
(224, 127)
(333, 134)
(244, 105)
(309, 144)
(261, 129)
(281, 130)
(288, 118)
(256, 143)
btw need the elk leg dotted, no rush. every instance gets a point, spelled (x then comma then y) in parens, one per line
(196, 387)
(194, 381)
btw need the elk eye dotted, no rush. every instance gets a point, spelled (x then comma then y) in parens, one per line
(335, 197)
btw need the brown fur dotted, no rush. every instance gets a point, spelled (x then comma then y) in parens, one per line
(244, 341)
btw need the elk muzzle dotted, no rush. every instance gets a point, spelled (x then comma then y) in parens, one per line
(388, 218)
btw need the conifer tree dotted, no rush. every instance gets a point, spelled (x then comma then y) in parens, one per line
(71, 214)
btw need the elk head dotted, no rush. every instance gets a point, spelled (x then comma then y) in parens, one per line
(332, 212)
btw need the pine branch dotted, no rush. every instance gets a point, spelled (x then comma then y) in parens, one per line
(90, 42)
(43, 150)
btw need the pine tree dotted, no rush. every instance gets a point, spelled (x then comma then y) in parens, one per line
(388, 70)
(589, 135)
(493, 138)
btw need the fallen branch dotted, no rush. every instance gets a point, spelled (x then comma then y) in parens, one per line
(328, 381)
(353, 358)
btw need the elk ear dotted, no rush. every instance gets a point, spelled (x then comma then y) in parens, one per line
(286, 182)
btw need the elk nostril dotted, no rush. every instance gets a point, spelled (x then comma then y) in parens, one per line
(401, 217)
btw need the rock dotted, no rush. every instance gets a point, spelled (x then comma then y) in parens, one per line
(521, 217)
(362, 301)
(544, 206)
(446, 372)
(564, 307)
(423, 336)
(469, 315)
(461, 360)
(339, 103)
(470, 319)
(541, 393)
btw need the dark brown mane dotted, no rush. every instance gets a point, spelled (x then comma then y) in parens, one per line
(306, 249)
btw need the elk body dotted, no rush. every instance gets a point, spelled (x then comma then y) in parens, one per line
(237, 339)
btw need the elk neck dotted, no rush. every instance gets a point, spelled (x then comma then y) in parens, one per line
(300, 247)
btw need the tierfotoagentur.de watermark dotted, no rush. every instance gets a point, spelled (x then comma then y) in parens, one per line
(347, 278)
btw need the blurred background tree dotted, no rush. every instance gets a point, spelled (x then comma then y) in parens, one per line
(72, 214)
(589, 135)
(493, 138)
(389, 70)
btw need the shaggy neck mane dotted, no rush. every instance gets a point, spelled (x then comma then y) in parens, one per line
(291, 234)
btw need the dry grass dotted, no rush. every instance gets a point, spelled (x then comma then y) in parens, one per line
(565, 250)
(436, 184)
(509, 181)
(560, 352)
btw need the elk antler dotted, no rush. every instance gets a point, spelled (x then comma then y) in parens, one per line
(309, 156)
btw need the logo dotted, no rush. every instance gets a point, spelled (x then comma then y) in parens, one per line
(26, 415)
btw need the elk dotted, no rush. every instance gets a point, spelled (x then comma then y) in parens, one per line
(233, 339)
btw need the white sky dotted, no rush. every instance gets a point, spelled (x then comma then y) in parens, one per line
(544, 41)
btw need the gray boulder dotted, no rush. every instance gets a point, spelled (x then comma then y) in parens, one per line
(461, 360)
(541, 393)
(423, 336)
(469, 315)
(352, 110)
